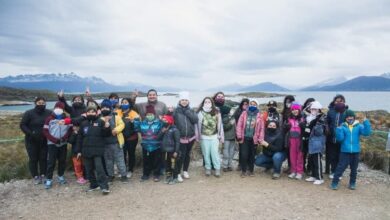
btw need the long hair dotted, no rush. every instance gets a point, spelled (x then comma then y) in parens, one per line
(214, 110)
(216, 94)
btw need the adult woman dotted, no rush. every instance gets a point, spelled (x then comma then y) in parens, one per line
(210, 134)
(36, 144)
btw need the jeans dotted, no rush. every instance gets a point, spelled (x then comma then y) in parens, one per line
(92, 165)
(114, 155)
(275, 161)
(247, 155)
(351, 159)
(228, 153)
(56, 153)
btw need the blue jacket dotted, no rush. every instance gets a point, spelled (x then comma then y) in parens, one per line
(150, 132)
(350, 140)
(334, 119)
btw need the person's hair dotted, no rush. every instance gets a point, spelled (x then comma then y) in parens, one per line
(286, 110)
(275, 122)
(214, 110)
(113, 95)
(151, 90)
(216, 94)
(338, 96)
(130, 101)
(78, 96)
(307, 102)
(242, 103)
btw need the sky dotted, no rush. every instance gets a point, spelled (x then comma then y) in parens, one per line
(196, 44)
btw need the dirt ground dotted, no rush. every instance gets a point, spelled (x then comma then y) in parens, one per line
(228, 197)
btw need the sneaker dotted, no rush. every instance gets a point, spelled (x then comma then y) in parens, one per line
(105, 191)
(310, 179)
(124, 179)
(61, 180)
(129, 174)
(81, 181)
(318, 182)
(173, 181)
(168, 179)
(292, 175)
(92, 188)
(110, 179)
(298, 176)
(48, 184)
(37, 180)
(208, 173)
(230, 169)
(352, 186)
(186, 175)
(179, 178)
(276, 176)
(156, 179)
(334, 186)
(217, 173)
(144, 178)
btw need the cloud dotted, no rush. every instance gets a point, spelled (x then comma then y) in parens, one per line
(196, 43)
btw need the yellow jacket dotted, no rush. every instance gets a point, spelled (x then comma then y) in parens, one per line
(119, 126)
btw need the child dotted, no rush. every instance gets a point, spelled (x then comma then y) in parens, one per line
(170, 147)
(249, 132)
(77, 162)
(57, 130)
(348, 135)
(294, 141)
(150, 130)
(314, 127)
(90, 145)
(114, 143)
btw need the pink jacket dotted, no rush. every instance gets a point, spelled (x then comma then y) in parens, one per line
(259, 128)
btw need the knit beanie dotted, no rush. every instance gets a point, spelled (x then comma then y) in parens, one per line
(349, 113)
(60, 105)
(150, 109)
(169, 119)
(106, 103)
(295, 106)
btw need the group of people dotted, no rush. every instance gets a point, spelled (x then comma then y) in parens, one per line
(107, 134)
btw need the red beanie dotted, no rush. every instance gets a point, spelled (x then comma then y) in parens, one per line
(60, 105)
(169, 119)
(150, 109)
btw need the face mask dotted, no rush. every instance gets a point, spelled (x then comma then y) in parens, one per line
(58, 111)
(91, 117)
(272, 109)
(114, 102)
(350, 121)
(271, 130)
(252, 108)
(150, 117)
(125, 107)
(40, 108)
(77, 104)
(106, 112)
(219, 101)
(207, 107)
(340, 107)
(314, 112)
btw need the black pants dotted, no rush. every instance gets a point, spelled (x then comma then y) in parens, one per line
(306, 162)
(171, 167)
(37, 154)
(56, 153)
(315, 159)
(129, 152)
(151, 162)
(248, 155)
(185, 153)
(92, 165)
(332, 155)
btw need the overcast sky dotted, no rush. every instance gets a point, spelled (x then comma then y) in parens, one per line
(196, 43)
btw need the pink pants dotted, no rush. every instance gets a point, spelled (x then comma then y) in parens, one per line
(296, 156)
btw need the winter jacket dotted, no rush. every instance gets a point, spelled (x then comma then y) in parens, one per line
(171, 140)
(32, 124)
(219, 129)
(160, 108)
(116, 123)
(229, 127)
(315, 132)
(275, 141)
(349, 136)
(74, 112)
(185, 121)
(56, 133)
(91, 138)
(150, 132)
(259, 128)
(334, 119)
(128, 118)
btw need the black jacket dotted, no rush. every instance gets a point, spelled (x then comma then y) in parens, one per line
(32, 124)
(74, 112)
(185, 121)
(91, 138)
(275, 141)
(171, 140)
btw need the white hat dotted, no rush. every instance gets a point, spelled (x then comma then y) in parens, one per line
(315, 105)
(254, 100)
(184, 95)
